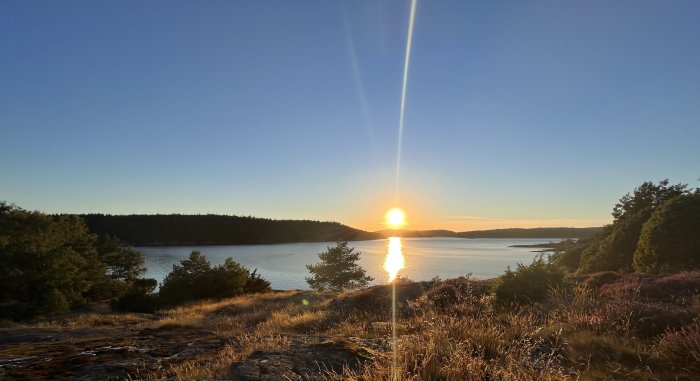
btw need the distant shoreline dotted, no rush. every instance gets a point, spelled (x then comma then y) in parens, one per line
(211, 230)
(548, 246)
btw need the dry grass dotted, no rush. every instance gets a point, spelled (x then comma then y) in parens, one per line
(619, 328)
(90, 320)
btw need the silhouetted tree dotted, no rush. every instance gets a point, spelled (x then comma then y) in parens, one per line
(337, 270)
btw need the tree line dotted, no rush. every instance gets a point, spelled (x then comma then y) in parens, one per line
(179, 229)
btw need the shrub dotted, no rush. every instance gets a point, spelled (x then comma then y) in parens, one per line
(628, 286)
(604, 277)
(682, 347)
(139, 297)
(677, 288)
(639, 318)
(460, 296)
(568, 253)
(376, 300)
(255, 283)
(55, 302)
(527, 283)
(194, 278)
(670, 241)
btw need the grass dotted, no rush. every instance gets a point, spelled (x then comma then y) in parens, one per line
(453, 330)
(611, 327)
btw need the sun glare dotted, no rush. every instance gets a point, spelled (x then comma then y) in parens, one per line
(395, 218)
(394, 259)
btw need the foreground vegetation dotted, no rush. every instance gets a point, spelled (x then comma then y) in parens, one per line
(605, 326)
(52, 264)
(656, 229)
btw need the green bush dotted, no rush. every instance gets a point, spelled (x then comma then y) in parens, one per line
(194, 278)
(670, 239)
(256, 283)
(139, 297)
(527, 283)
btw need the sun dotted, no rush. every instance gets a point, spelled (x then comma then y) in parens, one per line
(395, 218)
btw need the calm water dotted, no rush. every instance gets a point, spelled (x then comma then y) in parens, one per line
(284, 264)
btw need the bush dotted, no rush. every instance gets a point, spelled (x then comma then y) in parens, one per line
(528, 283)
(604, 277)
(255, 283)
(139, 297)
(670, 239)
(682, 347)
(194, 278)
(457, 296)
(676, 288)
(627, 287)
(639, 318)
(567, 254)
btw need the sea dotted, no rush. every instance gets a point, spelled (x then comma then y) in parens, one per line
(284, 265)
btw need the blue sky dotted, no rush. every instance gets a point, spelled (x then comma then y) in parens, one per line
(538, 113)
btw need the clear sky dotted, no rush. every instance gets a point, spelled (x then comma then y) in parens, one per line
(518, 113)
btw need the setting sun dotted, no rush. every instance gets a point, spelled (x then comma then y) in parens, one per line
(395, 218)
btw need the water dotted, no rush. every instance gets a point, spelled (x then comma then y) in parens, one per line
(284, 264)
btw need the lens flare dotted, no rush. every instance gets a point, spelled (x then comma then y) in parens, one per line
(395, 218)
(394, 261)
(409, 44)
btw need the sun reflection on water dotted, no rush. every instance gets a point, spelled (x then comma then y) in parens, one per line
(394, 261)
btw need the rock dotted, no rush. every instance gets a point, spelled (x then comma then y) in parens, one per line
(305, 362)
(109, 371)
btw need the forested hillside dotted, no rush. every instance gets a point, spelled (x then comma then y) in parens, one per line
(178, 229)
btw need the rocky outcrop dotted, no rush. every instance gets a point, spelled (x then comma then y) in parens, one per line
(306, 362)
(88, 354)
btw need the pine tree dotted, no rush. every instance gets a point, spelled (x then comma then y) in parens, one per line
(337, 270)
